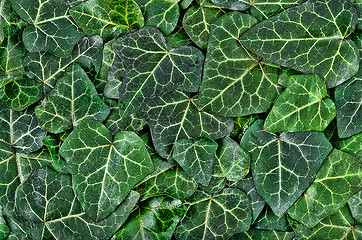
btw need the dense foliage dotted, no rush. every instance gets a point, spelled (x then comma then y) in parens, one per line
(180, 119)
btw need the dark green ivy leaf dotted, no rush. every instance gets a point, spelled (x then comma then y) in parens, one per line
(153, 68)
(104, 168)
(298, 37)
(4, 228)
(255, 234)
(355, 205)
(51, 27)
(284, 166)
(267, 220)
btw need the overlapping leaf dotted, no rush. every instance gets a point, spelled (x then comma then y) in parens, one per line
(4, 228)
(351, 145)
(235, 82)
(267, 220)
(153, 68)
(298, 37)
(155, 218)
(196, 157)
(74, 98)
(355, 205)
(104, 168)
(107, 18)
(47, 68)
(51, 27)
(284, 166)
(216, 217)
(175, 116)
(336, 182)
(163, 14)
(47, 199)
(197, 22)
(167, 178)
(302, 106)
(253, 234)
(339, 225)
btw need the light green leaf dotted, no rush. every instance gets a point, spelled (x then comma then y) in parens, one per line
(104, 168)
(283, 166)
(167, 178)
(175, 116)
(163, 14)
(338, 226)
(303, 106)
(153, 68)
(53, 143)
(267, 220)
(155, 218)
(51, 28)
(107, 18)
(355, 205)
(337, 181)
(295, 39)
(348, 97)
(47, 68)
(217, 216)
(255, 234)
(47, 199)
(197, 21)
(73, 99)
(235, 82)
(196, 157)
(247, 185)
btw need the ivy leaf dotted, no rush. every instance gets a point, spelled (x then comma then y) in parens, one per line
(64, 106)
(217, 216)
(153, 68)
(348, 97)
(53, 143)
(295, 39)
(254, 234)
(261, 9)
(283, 166)
(109, 19)
(247, 185)
(51, 27)
(47, 68)
(351, 145)
(354, 204)
(267, 220)
(163, 14)
(4, 228)
(339, 225)
(358, 5)
(337, 181)
(197, 21)
(47, 199)
(174, 116)
(155, 218)
(167, 178)
(302, 106)
(178, 37)
(196, 157)
(104, 168)
(235, 82)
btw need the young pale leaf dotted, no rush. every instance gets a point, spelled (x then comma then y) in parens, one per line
(339, 225)
(284, 166)
(174, 116)
(298, 37)
(51, 28)
(197, 22)
(255, 234)
(107, 18)
(348, 97)
(155, 218)
(104, 168)
(73, 99)
(153, 68)
(47, 199)
(337, 181)
(247, 185)
(355, 205)
(215, 217)
(196, 157)
(163, 14)
(302, 106)
(47, 68)
(233, 161)
(167, 178)
(235, 82)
